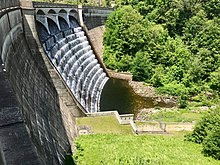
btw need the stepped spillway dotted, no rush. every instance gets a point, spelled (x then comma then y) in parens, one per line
(67, 47)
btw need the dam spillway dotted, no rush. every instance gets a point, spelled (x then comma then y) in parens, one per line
(69, 50)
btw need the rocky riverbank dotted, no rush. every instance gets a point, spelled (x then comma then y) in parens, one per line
(149, 91)
(142, 90)
(145, 113)
(147, 98)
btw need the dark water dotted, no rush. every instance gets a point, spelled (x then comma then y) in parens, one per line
(52, 27)
(118, 95)
(63, 23)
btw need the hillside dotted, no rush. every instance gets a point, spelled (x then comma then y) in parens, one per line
(171, 45)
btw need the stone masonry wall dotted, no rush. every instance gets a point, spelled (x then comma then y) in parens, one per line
(96, 37)
(15, 141)
(37, 111)
(34, 119)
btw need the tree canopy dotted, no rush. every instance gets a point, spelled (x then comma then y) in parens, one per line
(171, 44)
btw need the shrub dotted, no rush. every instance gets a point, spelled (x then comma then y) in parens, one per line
(211, 144)
(207, 132)
(173, 89)
(208, 122)
(183, 100)
(142, 67)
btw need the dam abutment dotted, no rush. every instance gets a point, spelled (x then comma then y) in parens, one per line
(36, 126)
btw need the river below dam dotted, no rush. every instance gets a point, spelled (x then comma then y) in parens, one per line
(118, 95)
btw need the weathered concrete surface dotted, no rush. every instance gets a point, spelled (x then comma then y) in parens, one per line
(16, 146)
(34, 120)
(120, 75)
(37, 112)
(8, 4)
(96, 38)
(95, 16)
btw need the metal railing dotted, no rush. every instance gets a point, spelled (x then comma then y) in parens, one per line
(52, 5)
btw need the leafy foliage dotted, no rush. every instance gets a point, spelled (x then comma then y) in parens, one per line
(207, 132)
(142, 66)
(171, 44)
(215, 79)
(141, 150)
(83, 2)
(123, 28)
(204, 126)
(211, 144)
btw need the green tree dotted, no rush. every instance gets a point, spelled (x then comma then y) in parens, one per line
(155, 39)
(215, 79)
(178, 13)
(207, 132)
(172, 44)
(212, 8)
(158, 76)
(175, 52)
(193, 26)
(142, 68)
(209, 37)
(123, 37)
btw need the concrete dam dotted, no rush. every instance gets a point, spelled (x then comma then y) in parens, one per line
(49, 74)
(67, 47)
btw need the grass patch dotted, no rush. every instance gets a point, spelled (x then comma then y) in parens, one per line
(138, 150)
(115, 144)
(104, 125)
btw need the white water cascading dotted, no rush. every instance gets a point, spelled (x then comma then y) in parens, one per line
(72, 56)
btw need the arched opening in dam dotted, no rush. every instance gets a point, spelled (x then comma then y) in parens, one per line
(118, 95)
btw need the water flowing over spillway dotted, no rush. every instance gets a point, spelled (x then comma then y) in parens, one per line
(68, 49)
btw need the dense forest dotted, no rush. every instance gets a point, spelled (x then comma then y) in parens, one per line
(170, 44)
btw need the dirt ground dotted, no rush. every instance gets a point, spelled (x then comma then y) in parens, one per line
(169, 127)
